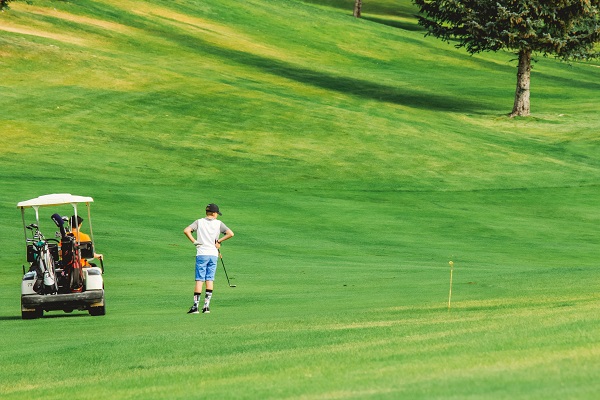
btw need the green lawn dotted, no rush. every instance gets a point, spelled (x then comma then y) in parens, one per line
(353, 159)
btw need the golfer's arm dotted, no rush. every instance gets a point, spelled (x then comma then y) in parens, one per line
(188, 232)
(228, 234)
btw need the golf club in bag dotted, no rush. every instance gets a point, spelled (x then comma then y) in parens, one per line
(226, 276)
(42, 260)
(71, 259)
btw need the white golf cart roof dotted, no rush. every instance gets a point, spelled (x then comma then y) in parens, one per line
(54, 200)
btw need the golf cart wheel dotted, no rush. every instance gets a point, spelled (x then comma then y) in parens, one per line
(38, 313)
(96, 311)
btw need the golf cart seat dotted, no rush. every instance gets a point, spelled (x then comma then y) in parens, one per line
(87, 249)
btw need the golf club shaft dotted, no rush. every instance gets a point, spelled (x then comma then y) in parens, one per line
(450, 294)
(224, 269)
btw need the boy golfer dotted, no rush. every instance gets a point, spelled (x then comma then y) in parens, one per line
(207, 244)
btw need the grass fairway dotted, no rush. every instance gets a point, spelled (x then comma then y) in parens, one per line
(353, 159)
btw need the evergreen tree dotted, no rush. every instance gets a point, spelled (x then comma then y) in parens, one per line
(566, 29)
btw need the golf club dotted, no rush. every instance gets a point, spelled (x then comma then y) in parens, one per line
(223, 263)
(450, 294)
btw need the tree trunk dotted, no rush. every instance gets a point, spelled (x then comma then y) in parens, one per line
(521, 107)
(357, 8)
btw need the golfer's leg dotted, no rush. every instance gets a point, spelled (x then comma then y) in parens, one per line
(211, 267)
(208, 294)
(199, 275)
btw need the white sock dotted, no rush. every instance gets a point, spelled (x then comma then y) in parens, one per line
(207, 298)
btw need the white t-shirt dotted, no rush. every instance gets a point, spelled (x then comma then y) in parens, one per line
(208, 231)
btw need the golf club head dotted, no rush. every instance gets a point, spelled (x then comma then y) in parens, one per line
(60, 223)
(57, 220)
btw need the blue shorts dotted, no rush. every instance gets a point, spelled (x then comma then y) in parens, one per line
(206, 267)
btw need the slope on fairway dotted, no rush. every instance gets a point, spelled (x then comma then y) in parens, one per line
(352, 158)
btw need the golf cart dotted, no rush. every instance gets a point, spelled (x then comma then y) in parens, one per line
(59, 276)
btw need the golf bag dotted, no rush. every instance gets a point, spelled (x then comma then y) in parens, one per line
(72, 274)
(43, 265)
(71, 264)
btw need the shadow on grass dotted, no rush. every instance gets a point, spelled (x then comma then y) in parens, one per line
(359, 87)
(396, 8)
(351, 85)
(46, 316)
(66, 315)
(414, 27)
(588, 84)
(10, 317)
(354, 86)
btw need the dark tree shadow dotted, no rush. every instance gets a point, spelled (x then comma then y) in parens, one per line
(354, 86)
(395, 23)
(395, 8)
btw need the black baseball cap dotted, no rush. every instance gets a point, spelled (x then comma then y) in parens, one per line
(213, 208)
